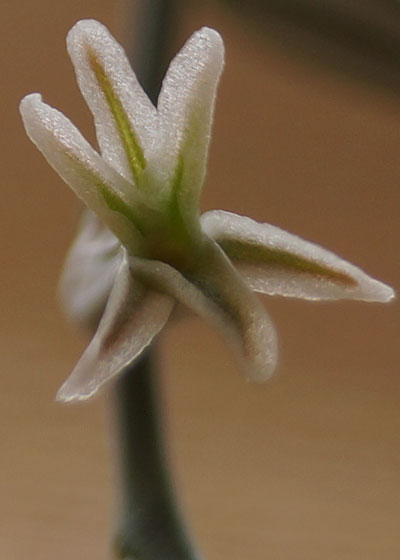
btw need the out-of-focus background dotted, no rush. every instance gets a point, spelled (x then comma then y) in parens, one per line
(306, 466)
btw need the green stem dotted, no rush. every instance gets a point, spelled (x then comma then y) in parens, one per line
(150, 526)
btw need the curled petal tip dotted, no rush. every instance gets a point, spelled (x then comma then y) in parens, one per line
(85, 32)
(211, 33)
(29, 103)
(382, 292)
(28, 98)
(372, 290)
(64, 397)
(82, 383)
(390, 293)
(84, 27)
(263, 372)
(265, 358)
(212, 38)
(66, 394)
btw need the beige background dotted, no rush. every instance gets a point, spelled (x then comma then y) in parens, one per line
(305, 467)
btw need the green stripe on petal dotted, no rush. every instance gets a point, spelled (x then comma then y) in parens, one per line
(186, 108)
(115, 203)
(126, 121)
(128, 138)
(81, 167)
(113, 200)
(182, 228)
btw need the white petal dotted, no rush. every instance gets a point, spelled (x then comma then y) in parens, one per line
(79, 165)
(215, 292)
(186, 105)
(122, 112)
(133, 317)
(276, 262)
(89, 272)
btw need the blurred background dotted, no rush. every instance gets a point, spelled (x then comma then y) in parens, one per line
(306, 137)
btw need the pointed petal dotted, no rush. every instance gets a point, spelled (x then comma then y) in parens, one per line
(125, 118)
(186, 107)
(133, 317)
(275, 262)
(89, 272)
(101, 188)
(215, 292)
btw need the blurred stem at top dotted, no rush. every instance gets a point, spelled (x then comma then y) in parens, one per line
(152, 34)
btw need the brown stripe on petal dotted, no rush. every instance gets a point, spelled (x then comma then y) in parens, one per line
(122, 323)
(214, 276)
(111, 199)
(128, 138)
(252, 253)
(241, 310)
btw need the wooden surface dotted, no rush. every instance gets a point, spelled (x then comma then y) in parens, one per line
(305, 467)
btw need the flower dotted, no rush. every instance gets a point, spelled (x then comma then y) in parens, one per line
(144, 188)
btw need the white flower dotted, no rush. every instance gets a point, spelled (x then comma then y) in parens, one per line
(145, 187)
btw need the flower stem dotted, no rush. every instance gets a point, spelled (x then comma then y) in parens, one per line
(154, 33)
(150, 527)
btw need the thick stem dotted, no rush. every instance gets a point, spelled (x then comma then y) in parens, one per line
(150, 526)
